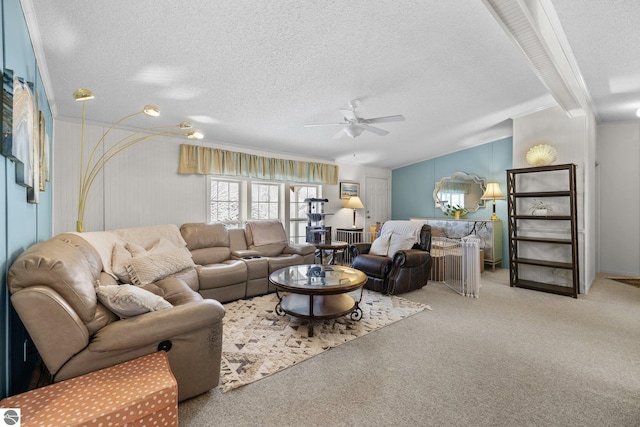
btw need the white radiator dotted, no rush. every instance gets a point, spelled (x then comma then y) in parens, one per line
(456, 263)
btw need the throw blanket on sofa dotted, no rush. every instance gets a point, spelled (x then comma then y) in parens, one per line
(404, 228)
(266, 232)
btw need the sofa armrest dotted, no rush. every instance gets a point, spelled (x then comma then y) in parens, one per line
(372, 265)
(56, 329)
(410, 258)
(359, 248)
(244, 254)
(299, 249)
(156, 326)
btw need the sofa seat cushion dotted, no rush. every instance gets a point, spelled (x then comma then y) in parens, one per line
(372, 265)
(177, 292)
(300, 249)
(270, 250)
(189, 276)
(224, 274)
(285, 260)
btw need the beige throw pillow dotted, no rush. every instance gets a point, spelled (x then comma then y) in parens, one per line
(128, 300)
(120, 258)
(380, 246)
(145, 269)
(399, 242)
(132, 263)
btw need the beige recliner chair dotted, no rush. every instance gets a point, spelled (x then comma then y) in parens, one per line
(52, 289)
(267, 239)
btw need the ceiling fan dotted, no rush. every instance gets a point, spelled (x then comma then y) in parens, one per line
(354, 125)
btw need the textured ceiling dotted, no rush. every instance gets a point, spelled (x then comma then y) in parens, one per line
(251, 74)
(604, 37)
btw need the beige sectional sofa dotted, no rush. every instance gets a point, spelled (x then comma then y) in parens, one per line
(92, 300)
(235, 263)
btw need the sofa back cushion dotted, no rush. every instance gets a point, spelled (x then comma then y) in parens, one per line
(65, 263)
(208, 243)
(237, 239)
(266, 236)
(265, 232)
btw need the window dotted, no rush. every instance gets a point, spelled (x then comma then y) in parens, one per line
(298, 210)
(452, 199)
(265, 201)
(225, 202)
(233, 202)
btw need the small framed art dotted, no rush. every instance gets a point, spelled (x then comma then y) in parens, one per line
(349, 189)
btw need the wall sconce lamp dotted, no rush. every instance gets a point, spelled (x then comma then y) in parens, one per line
(354, 203)
(494, 193)
(95, 163)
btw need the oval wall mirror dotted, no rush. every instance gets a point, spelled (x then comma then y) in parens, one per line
(460, 189)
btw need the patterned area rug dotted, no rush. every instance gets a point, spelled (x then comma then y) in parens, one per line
(257, 342)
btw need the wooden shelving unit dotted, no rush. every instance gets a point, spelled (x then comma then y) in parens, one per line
(527, 231)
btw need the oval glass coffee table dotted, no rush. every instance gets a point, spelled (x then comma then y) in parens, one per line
(313, 291)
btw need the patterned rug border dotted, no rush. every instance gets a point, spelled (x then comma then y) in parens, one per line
(258, 343)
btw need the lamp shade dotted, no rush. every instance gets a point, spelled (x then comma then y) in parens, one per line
(151, 110)
(493, 192)
(354, 203)
(82, 94)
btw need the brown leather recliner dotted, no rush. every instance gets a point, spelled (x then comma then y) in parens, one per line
(407, 270)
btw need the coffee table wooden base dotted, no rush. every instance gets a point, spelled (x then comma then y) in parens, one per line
(318, 307)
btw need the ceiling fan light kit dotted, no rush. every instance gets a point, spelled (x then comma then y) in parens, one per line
(352, 131)
(354, 125)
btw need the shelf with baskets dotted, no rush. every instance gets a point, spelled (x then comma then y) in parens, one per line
(543, 249)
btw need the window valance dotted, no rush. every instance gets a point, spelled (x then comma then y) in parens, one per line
(200, 160)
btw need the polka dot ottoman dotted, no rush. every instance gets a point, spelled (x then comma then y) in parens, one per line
(141, 392)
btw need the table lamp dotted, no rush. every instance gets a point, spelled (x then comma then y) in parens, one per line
(493, 192)
(354, 203)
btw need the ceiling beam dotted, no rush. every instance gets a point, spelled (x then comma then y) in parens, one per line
(533, 26)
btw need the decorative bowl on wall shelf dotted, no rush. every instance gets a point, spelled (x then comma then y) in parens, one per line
(541, 155)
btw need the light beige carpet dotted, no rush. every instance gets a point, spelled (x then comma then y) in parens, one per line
(257, 342)
(633, 281)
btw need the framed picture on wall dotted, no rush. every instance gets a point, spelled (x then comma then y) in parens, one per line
(349, 189)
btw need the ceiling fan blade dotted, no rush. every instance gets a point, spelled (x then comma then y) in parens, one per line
(349, 115)
(375, 130)
(386, 119)
(324, 124)
(339, 134)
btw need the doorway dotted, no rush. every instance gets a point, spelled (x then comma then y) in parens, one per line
(376, 203)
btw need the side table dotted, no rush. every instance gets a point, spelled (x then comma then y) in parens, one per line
(334, 246)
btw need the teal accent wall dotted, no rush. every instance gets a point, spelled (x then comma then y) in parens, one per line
(412, 186)
(21, 224)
